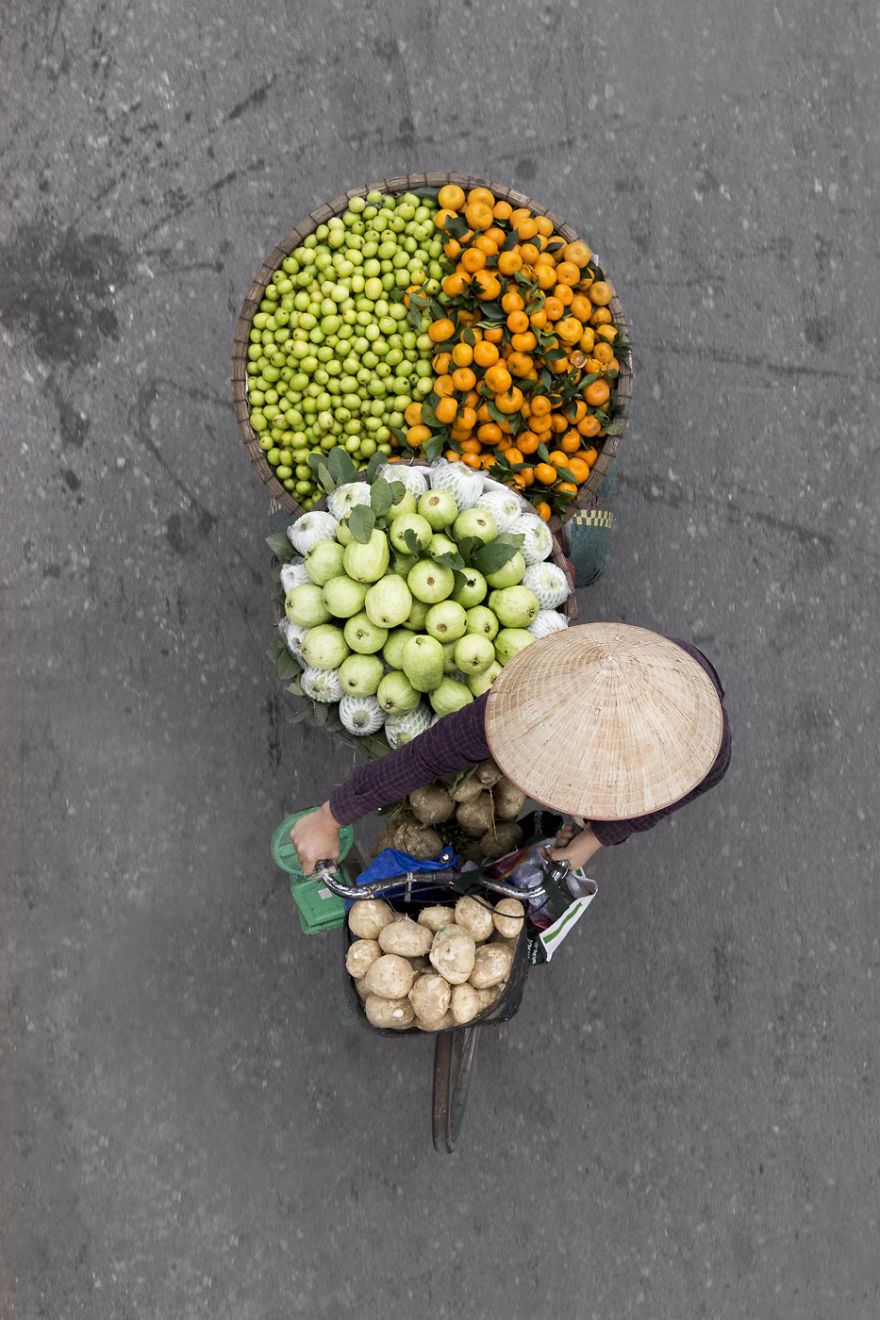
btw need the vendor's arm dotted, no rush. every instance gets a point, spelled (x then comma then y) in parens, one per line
(576, 849)
(455, 743)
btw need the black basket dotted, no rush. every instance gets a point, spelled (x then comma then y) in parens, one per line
(505, 1006)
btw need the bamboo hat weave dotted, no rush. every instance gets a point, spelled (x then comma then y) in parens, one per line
(604, 721)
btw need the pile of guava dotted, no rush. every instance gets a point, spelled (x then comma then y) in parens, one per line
(408, 595)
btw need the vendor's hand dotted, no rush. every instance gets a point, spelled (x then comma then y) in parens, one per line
(576, 849)
(316, 838)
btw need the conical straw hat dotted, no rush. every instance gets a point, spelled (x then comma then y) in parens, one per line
(604, 721)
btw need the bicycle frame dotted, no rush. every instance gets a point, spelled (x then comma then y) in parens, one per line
(324, 872)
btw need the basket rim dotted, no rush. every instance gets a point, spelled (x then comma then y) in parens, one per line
(587, 493)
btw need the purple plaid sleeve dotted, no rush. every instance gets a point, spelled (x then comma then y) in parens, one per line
(455, 743)
(610, 832)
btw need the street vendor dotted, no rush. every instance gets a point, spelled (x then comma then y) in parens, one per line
(613, 725)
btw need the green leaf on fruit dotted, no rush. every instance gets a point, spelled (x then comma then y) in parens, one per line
(280, 546)
(362, 521)
(287, 666)
(411, 541)
(493, 556)
(511, 241)
(467, 546)
(341, 466)
(398, 434)
(371, 470)
(432, 448)
(295, 687)
(543, 452)
(469, 337)
(381, 498)
(450, 560)
(428, 415)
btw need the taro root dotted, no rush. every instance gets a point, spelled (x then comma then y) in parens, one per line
(360, 957)
(368, 916)
(503, 838)
(362, 989)
(465, 1003)
(431, 805)
(490, 994)
(488, 773)
(475, 816)
(420, 841)
(508, 918)
(467, 789)
(492, 964)
(429, 997)
(446, 1021)
(452, 954)
(386, 838)
(405, 937)
(475, 917)
(509, 800)
(390, 976)
(394, 1013)
(436, 917)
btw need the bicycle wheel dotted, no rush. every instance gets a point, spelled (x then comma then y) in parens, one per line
(454, 1056)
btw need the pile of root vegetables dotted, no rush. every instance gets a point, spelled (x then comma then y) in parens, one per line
(443, 970)
(475, 813)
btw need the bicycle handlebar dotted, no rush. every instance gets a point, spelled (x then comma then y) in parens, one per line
(325, 873)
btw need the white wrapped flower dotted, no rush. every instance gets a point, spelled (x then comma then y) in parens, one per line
(345, 498)
(546, 622)
(462, 483)
(538, 539)
(406, 727)
(360, 715)
(549, 584)
(317, 525)
(321, 685)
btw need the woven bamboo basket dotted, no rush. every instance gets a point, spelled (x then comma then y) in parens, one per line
(610, 444)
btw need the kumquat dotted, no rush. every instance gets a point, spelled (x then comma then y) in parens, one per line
(525, 351)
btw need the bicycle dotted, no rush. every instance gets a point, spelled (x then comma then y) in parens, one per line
(455, 1048)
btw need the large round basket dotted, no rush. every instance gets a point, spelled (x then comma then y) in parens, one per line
(609, 445)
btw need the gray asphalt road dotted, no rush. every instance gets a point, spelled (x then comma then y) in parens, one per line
(682, 1120)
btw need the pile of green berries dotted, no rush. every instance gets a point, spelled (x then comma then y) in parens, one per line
(333, 359)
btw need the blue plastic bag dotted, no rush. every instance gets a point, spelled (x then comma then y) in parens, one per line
(390, 862)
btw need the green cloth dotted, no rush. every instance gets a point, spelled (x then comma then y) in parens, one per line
(587, 535)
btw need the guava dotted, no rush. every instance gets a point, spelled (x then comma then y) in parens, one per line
(396, 694)
(509, 641)
(405, 505)
(514, 607)
(423, 662)
(367, 562)
(305, 605)
(364, 636)
(344, 597)
(360, 675)
(446, 621)
(440, 544)
(480, 683)
(449, 665)
(409, 522)
(392, 651)
(509, 574)
(344, 533)
(401, 563)
(415, 620)
(439, 508)
(324, 561)
(388, 602)
(430, 582)
(449, 696)
(474, 653)
(324, 647)
(472, 590)
(475, 522)
(481, 620)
